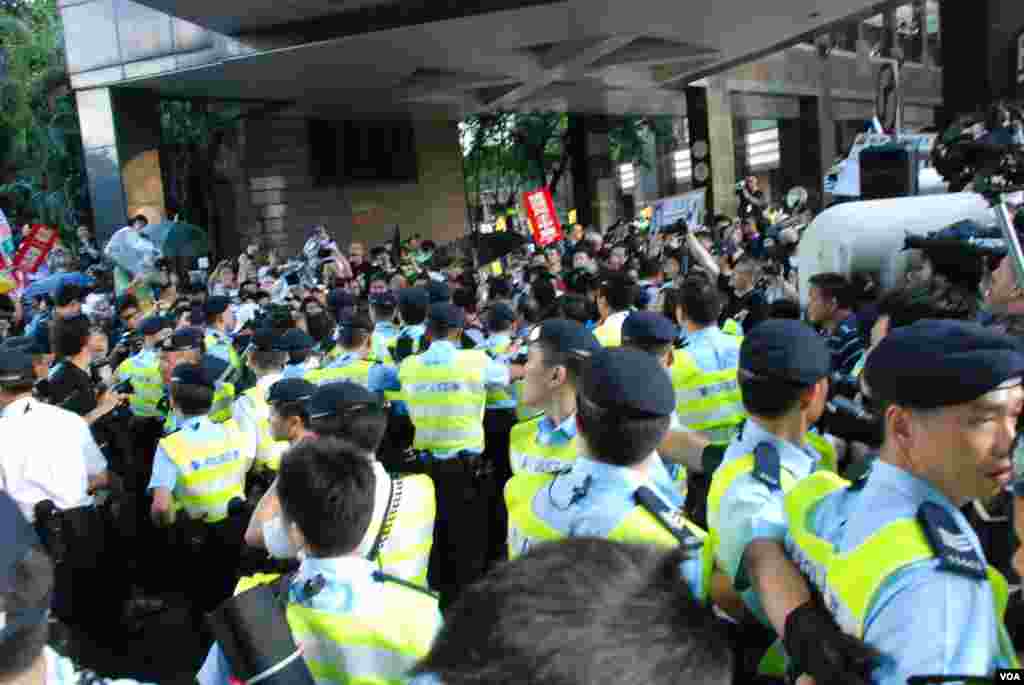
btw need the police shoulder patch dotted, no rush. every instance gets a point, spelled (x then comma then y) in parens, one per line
(767, 465)
(951, 545)
(382, 577)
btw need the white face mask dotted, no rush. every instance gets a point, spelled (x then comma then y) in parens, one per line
(278, 542)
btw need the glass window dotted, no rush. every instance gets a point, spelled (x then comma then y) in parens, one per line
(627, 177)
(682, 165)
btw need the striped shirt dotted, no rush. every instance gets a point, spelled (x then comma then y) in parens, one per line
(846, 345)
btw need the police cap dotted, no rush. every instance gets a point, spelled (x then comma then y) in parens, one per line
(387, 299)
(936, 363)
(438, 291)
(414, 297)
(649, 328)
(15, 367)
(17, 537)
(184, 339)
(217, 305)
(446, 314)
(785, 350)
(192, 374)
(356, 321)
(66, 293)
(628, 382)
(215, 367)
(500, 316)
(290, 390)
(153, 325)
(566, 336)
(264, 340)
(22, 343)
(295, 340)
(332, 399)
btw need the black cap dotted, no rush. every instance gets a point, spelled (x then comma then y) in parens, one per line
(41, 341)
(438, 292)
(295, 340)
(387, 299)
(215, 367)
(566, 336)
(21, 343)
(500, 316)
(356, 321)
(414, 297)
(15, 367)
(447, 314)
(183, 339)
(217, 305)
(628, 382)
(153, 325)
(649, 328)
(264, 340)
(936, 363)
(66, 293)
(17, 537)
(785, 350)
(339, 299)
(192, 374)
(290, 390)
(332, 399)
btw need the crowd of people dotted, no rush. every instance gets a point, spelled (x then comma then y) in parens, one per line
(627, 456)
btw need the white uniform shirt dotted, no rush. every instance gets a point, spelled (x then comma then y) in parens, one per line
(48, 453)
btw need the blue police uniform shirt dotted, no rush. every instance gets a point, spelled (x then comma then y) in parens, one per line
(221, 345)
(496, 375)
(749, 510)
(593, 498)
(197, 429)
(414, 331)
(924, 620)
(349, 586)
(476, 336)
(384, 332)
(713, 350)
(551, 435)
(295, 370)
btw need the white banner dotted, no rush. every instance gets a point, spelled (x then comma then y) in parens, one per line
(690, 207)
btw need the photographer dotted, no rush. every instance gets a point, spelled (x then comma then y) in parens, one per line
(752, 201)
(71, 385)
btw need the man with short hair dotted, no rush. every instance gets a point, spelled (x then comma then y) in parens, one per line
(347, 629)
(615, 297)
(892, 552)
(220, 322)
(830, 308)
(353, 363)
(747, 305)
(382, 311)
(251, 411)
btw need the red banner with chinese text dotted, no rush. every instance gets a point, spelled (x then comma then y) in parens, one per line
(34, 248)
(540, 210)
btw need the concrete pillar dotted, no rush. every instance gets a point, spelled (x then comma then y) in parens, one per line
(595, 187)
(709, 114)
(826, 123)
(121, 140)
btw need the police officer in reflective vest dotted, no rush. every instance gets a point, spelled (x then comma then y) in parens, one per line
(707, 395)
(220, 320)
(444, 390)
(353, 623)
(352, 362)
(187, 345)
(896, 561)
(413, 304)
(783, 374)
(288, 401)
(625, 402)
(197, 471)
(401, 530)
(143, 369)
(382, 309)
(251, 411)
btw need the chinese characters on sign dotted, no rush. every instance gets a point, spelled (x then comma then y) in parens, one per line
(34, 247)
(540, 209)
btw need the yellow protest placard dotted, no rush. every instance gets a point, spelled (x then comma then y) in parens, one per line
(572, 217)
(499, 224)
(496, 268)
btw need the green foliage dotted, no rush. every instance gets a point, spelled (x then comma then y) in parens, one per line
(632, 139)
(41, 158)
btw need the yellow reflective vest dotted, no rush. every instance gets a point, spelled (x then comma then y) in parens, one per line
(446, 402)
(408, 529)
(850, 581)
(210, 472)
(529, 456)
(223, 398)
(143, 370)
(268, 450)
(639, 526)
(357, 371)
(708, 402)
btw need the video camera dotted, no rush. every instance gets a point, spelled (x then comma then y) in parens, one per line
(846, 416)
